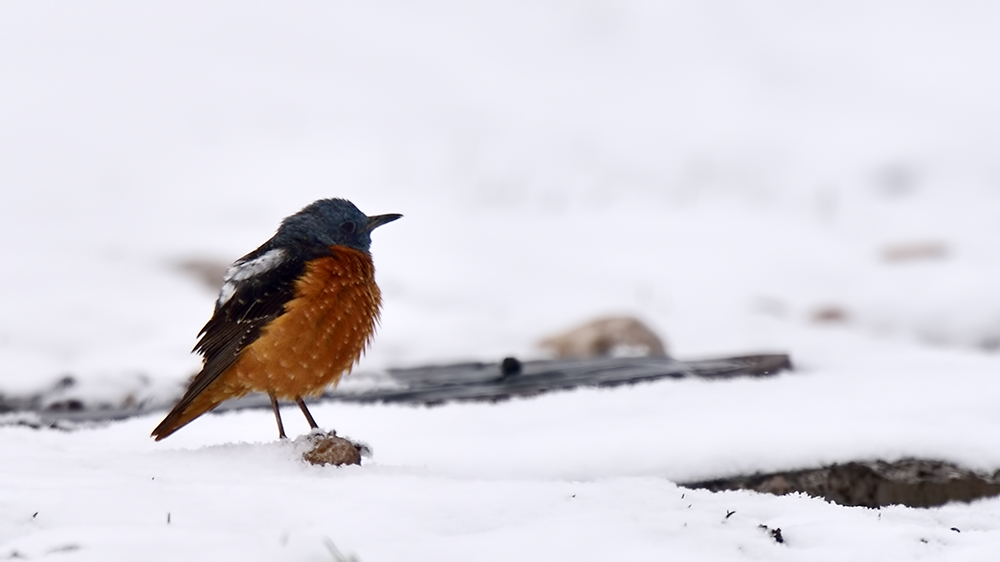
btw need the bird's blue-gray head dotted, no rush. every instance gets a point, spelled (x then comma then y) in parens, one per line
(330, 222)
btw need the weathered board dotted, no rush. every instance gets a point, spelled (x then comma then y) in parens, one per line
(511, 378)
(435, 385)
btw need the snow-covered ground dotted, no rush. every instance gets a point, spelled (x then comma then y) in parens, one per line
(728, 172)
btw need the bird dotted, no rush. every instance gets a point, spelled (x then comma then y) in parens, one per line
(292, 317)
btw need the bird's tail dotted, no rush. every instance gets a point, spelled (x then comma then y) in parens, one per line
(184, 413)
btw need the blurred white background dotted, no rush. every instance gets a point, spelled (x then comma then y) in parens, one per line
(730, 173)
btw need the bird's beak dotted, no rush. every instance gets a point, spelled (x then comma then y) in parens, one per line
(379, 220)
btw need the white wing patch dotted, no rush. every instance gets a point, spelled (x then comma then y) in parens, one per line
(243, 270)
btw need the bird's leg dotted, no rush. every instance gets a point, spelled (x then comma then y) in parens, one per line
(277, 416)
(309, 418)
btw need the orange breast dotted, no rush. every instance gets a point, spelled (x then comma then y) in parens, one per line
(322, 333)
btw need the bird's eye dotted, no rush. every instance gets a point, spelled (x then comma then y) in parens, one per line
(348, 227)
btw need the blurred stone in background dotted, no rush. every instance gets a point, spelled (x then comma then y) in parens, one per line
(610, 336)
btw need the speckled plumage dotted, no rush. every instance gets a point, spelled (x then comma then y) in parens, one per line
(293, 316)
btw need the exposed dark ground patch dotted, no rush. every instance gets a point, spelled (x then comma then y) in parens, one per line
(911, 482)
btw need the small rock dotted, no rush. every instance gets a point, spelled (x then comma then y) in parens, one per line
(510, 367)
(608, 336)
(327, 448)
(829, 314)
(775, 533)
(914, 251)
(208, 271)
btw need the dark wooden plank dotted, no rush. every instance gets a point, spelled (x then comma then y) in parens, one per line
(492, 381)
(441, 384)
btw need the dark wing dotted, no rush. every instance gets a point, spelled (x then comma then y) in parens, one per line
(255, 292)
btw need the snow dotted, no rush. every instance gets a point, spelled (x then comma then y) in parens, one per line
(727, 172)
